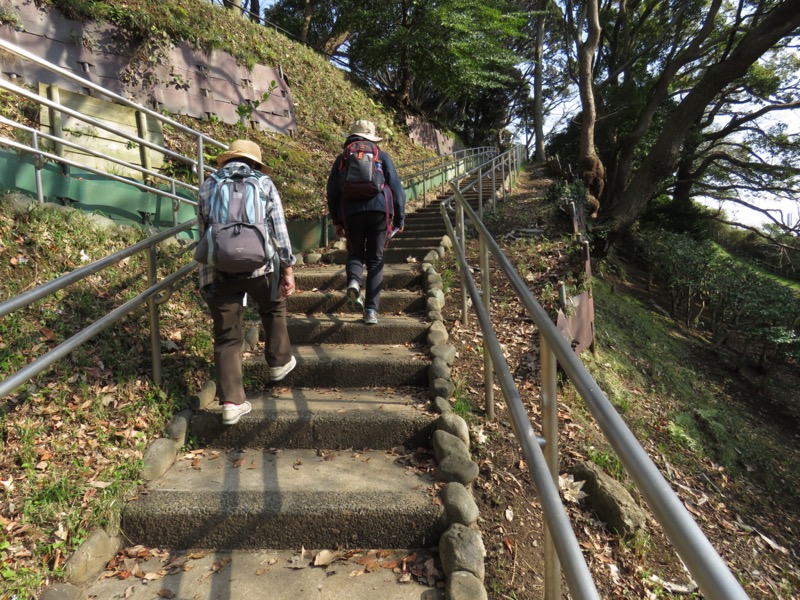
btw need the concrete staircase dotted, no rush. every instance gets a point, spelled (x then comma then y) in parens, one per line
(337, 456)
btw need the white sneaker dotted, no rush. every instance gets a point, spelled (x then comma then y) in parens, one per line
(278, 373)
(231, 413)
(354, 300)
(371, 316)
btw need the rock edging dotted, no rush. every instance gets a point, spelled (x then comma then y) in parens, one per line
(461, 548)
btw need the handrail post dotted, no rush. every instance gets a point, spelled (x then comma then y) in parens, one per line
(443, 170)
(480, 193)
(461, 235)
(175, 204)
(38, 163)
(488, 367)
(503, 174)
(549, 402)
(201, 167)
(424, 187)
(143, 132)
(494, 182)
(155, 330)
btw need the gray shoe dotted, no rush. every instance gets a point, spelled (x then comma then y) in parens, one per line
(354, 301)
(371, 316)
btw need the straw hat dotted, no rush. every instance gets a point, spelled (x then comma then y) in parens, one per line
(364, 129)
(242, 149)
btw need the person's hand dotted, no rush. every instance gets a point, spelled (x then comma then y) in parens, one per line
(340, 231)
(287, 282)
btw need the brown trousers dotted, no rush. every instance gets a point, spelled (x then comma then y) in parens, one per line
(225, 301)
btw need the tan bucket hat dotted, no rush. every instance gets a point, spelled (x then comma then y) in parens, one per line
(365, 129)
(242, 149)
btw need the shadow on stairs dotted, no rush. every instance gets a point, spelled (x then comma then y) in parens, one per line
(335, 485)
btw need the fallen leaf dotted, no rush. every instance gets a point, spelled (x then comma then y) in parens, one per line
(220, 565)
(326, 557)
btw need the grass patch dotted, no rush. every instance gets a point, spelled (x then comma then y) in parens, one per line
(72, 439)
(672, 404)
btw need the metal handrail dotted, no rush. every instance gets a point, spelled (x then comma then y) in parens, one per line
(704, 563)
(56, 140)
(197, 163)
(142, 186)
(38, 365)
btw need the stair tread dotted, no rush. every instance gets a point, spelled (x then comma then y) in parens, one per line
(247, 574)
(377, 418)
(327, 475)
(242, 499)
(349, 365)
(307, 270)
(336, 399)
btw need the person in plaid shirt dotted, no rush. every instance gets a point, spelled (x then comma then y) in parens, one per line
(224, 293)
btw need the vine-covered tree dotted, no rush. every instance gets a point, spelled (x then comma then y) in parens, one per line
(676, 84)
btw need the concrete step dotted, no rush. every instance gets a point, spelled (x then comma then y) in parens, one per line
(306, 303)
(433, 217)
(322, 419)
(350, 329)
(393, 255)
(273, 574)
(253, 499)
(403, 240)
(331, 277)
(347, 366)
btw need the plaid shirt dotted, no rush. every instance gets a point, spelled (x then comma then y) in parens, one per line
(275, 217)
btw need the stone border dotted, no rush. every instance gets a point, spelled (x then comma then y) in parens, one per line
(461, 548)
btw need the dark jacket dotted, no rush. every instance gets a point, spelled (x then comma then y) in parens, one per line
(339, 208)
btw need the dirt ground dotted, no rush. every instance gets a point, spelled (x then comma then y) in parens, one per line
(754, 530)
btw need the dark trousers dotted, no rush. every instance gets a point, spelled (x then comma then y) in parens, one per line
(366, 240)
(225, 301)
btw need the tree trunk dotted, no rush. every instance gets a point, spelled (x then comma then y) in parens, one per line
(333, 43)
(237, 4)
(663, 157)
(538, 76)
(255, 11)
(308, 10)
(590, 166)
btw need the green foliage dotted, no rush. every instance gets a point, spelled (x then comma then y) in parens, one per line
(672, 401)
(9, 17)
(738, 299)
(668, 214)
(437, 58)
(606, 459)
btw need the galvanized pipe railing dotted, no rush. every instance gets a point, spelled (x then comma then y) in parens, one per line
(149, 245)
(198, 162)
(141, 186)
(442, 168)
(704, 563)
(563, 538)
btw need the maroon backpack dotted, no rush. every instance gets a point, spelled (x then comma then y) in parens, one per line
(361, 171)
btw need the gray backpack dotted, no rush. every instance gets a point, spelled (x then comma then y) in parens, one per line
(237, 237)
